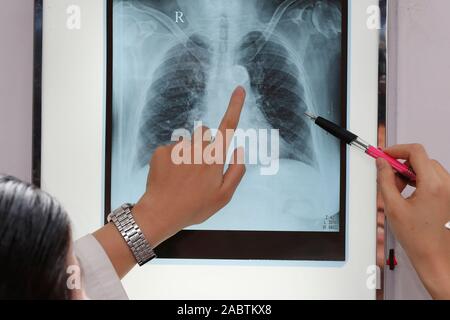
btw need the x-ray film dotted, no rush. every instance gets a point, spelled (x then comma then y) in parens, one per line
(173, 64)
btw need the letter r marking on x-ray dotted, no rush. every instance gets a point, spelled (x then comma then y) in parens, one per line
(179, 17)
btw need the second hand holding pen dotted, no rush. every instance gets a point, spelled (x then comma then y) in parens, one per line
(353, 140)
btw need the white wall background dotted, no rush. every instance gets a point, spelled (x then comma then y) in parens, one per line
(16, 80)
(419, 100)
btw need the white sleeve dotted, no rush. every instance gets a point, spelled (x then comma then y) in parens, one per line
(99, 277)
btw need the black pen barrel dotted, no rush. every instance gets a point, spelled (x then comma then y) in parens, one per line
(336, 130)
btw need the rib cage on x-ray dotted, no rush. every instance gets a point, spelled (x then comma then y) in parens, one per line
(175, 99)
(167, 75)
(274, 78)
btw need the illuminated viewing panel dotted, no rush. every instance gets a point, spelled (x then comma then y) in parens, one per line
(173, 64)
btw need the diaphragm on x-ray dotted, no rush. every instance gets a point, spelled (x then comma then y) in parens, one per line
(177, 62)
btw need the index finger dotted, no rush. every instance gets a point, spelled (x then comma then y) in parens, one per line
(415, 154)
(231, 118)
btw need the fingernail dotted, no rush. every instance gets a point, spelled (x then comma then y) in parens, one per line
(240, 90)
(447, 225)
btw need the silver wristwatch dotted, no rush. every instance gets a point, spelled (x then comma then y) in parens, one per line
(132, 234)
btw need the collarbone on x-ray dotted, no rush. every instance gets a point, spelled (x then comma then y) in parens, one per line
(176, 62)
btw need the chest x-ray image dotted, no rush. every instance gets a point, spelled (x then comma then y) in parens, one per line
(177, 61)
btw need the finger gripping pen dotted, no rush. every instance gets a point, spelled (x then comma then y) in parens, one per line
(355, 141)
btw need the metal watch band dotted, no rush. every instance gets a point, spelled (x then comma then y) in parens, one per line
(123, 219)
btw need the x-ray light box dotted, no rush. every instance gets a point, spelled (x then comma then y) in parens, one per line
(118, 76)
(174, 63)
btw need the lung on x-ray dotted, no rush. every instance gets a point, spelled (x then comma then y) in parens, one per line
(174, 63)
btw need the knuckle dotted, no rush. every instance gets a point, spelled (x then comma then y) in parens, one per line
(225, 197)
(202, 129)
(436, 164)
(229, 124)
(198, 220)
(417, 148)
(436, 188)
(393, 211)
(159, 151)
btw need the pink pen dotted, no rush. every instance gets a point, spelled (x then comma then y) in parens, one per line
(354, 140)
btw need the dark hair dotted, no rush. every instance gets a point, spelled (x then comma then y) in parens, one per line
(35, 240)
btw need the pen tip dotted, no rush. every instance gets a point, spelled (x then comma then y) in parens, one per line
(310, 115)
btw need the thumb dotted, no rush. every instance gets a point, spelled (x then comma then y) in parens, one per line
(387, 182)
